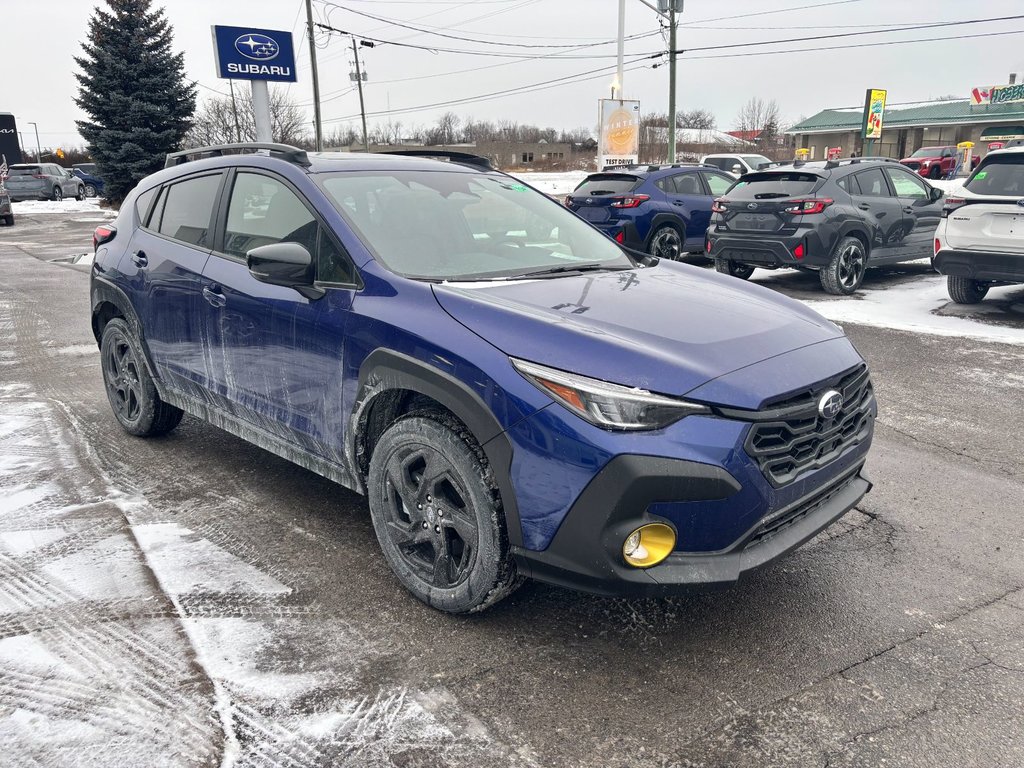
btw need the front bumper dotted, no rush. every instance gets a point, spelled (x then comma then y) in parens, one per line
(586, 552)
(978, 265)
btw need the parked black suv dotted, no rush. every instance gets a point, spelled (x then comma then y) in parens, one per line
(835, 218)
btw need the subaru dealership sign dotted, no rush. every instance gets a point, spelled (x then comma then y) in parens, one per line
(244, 53)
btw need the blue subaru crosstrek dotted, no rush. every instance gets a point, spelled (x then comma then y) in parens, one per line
(663, 210)
(517, 395)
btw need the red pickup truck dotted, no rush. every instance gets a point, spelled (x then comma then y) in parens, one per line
(935, 162)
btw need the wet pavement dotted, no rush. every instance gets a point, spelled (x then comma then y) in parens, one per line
(193, 600)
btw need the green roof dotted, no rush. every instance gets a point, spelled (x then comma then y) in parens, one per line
(912, 116)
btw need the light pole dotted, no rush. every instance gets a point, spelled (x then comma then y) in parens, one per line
(668, 9)
(39, 147)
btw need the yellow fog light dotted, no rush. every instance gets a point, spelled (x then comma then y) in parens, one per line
(648, 545)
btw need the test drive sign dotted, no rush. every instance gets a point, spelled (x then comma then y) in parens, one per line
(620, 133)
(874, 111)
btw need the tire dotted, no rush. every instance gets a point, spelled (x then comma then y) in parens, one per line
(90, 190)
(58, 194)
(666, 243)
(453, 557)
(9, 220)
(80, 193)
(935, 172)
(845, 271)
(963, 290)
(130, 389)
(726, 267)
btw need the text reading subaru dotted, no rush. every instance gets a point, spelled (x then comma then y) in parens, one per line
(516, 394)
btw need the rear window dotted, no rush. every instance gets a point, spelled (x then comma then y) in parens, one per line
(24, 170)
(999, 175)
(764, 186)
(606, 184)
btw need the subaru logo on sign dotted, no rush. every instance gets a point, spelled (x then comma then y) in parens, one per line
(257, 47)
(830, 404)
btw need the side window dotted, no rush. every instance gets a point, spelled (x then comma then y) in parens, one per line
(143, 203)
(844, 184)
(687, 184)
(333, 266)
(262, 211)
(713, 161)
(906, 184)
(187, 209)
(718, 185)
(665, 185)
(872, 183)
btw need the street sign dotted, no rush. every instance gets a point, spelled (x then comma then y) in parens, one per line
(245, 53)
(874, 110)
(619, 142)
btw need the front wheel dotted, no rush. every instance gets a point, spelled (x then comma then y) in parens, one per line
(58, 194)
(437, 515)
(963, 290)
(845, 270)
(726, 267)
(130, 389)
(666, 243)
(80, 194)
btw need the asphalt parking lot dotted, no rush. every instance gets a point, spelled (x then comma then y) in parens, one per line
(188, 599)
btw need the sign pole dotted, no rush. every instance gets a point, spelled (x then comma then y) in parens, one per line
(261, 110)
(621, 50)
(672, 25)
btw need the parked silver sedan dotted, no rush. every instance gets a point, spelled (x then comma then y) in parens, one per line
(43, 181)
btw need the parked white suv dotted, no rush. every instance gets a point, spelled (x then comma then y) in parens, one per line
(980, 239)
(737, 165)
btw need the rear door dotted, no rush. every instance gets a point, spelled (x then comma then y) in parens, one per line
(164, 265)
(882, 212)
(993, 219)
(690, 199)
(921, 214)
(276, 355)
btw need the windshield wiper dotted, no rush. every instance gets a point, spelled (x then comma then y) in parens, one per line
(566, 268)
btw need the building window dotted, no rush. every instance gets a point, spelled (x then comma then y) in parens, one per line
(527, 157)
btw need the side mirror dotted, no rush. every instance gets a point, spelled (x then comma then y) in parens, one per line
(737, 169)
(286, 264)
(937, 194)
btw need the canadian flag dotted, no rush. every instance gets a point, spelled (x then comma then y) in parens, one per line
(981, 95)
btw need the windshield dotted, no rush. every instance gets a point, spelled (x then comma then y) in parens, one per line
(765, 186)
(1000, 175)
(928, 152)
(606, 184)
(756, 161)
(453, 225)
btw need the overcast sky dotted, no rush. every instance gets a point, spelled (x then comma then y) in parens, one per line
(401, 78)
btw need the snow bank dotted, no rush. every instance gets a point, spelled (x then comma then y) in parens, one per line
(552, 183)
(32, 207)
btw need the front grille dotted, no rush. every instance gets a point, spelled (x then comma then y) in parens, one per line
(791, 437)
(912, 166)
(778, 523)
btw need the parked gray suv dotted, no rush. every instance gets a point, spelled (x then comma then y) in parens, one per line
(43, 181)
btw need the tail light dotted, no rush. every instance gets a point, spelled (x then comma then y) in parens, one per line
(707, 245)
(938, 246)
(38, 175)
(102, 234)
(718, 206)
(620, 236)
(807, 207)
(799, 251)
(952, 203)
(630, 201)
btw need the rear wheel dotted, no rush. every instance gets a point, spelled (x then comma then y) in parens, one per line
(437, 515)
(58, 194)
(666, 243)
(9, 220)
(935, 172)
(90, 190)
(130, 388)
(726, 267)
(845, 271)
(963, 290)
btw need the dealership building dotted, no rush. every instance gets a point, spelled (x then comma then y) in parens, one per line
(908, 127)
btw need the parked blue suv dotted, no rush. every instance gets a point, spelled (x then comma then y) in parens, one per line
(517, 395)
(663, 210)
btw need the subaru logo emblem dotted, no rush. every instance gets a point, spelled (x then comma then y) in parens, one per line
(590, 200)
(752, 206)
(1021, 202)
(257, 47)
(830, 404)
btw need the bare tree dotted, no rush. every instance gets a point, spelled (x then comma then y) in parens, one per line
(445, 130)
(217, 122)
(757, 113)
(696, 118)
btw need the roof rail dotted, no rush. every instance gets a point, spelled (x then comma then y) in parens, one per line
(649, 167)
(856, 160)
(464, 158)
(284, 151)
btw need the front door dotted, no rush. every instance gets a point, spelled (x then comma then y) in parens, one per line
(276, 355)
(882, 213)
(921, 214)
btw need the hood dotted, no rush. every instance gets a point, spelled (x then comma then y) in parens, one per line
(668, 328)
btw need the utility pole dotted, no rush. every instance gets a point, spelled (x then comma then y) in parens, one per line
(39, 147)
(234, 111)
(672, 25)
(359, 82)
(617, 90)
(317, 125)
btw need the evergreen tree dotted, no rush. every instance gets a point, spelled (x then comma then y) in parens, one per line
(134, 90)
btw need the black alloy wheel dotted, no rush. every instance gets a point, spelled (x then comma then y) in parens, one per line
(58, 194)
(845, 271)
(666, 243)
(727, 267)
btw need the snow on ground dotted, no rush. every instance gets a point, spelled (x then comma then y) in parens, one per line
(552, 183)
(33, 207)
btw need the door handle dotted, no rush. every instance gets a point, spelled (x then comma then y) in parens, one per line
(139, 259)
(214, 296)
(865, 206)
(908, 209)
(678, 202)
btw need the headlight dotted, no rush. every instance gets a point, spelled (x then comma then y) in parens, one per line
(611, 406)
